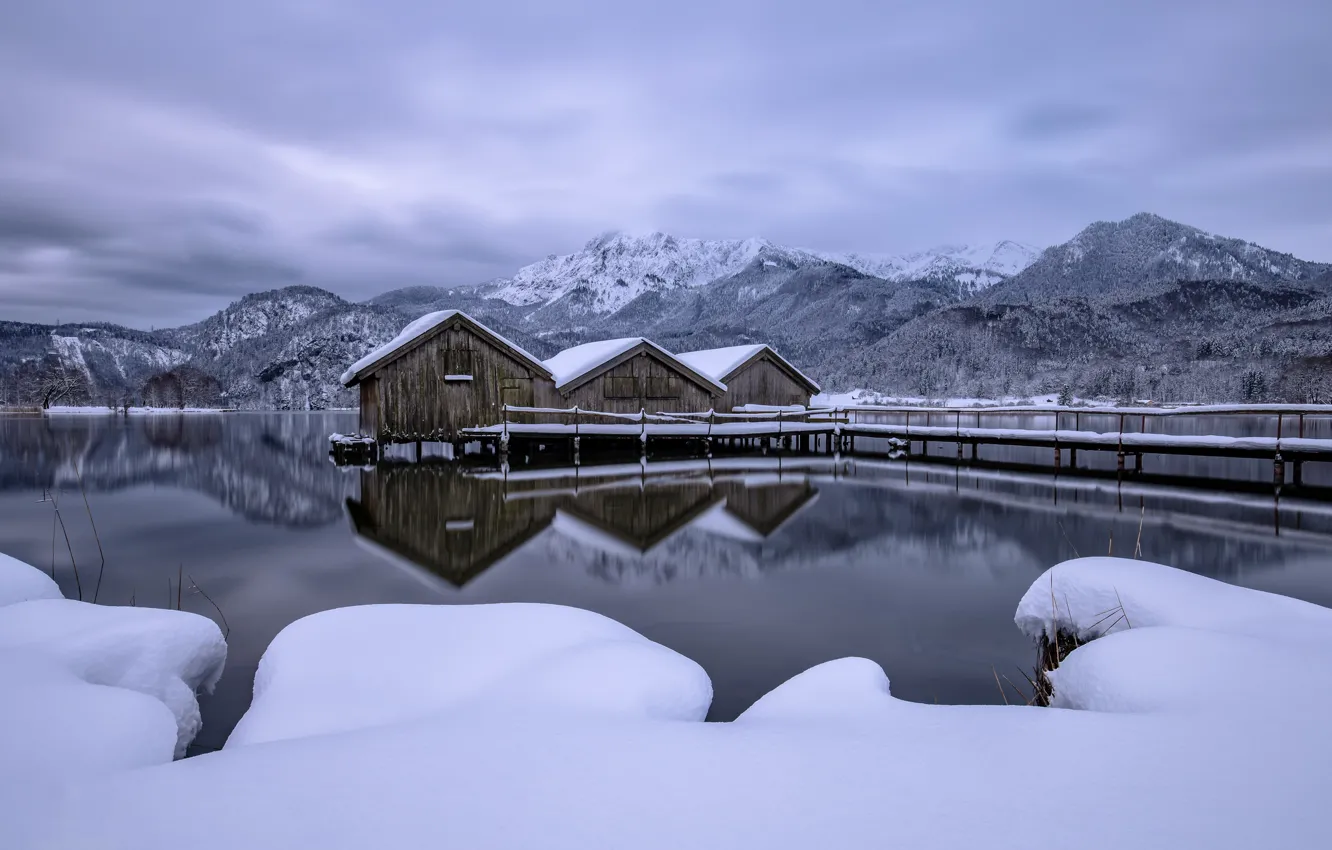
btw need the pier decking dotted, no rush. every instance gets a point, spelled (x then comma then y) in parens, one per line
(833, 430)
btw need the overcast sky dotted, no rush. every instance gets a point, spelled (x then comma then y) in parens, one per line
(160, 158)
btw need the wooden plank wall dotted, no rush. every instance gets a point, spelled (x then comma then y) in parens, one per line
(763, 382)
(370, 405)
(415, 402)
(642, 368)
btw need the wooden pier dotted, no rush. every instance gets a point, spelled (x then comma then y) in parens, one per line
(966, 428)
(529, 429)
(526, 432)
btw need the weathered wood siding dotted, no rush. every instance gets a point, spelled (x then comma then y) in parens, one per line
(416, 402)
(370, 405)
(642, 382)
(763, 382)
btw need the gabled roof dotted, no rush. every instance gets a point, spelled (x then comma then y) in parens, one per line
(721, 364)
(575, 366)
(423, 329)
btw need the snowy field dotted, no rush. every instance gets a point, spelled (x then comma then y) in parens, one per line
(1193, 718)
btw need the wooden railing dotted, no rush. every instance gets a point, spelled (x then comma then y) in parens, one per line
(579, 417)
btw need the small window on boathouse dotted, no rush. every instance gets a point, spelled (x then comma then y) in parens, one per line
(621, 387)
(663, 387)
(457, 364)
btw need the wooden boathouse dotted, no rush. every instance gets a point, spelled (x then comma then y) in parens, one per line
(753, 374)
(631, 375)
(444, 372)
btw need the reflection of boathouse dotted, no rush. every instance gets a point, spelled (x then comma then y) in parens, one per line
(456, 525)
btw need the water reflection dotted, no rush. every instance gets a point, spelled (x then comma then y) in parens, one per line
(756, 567)
(265, 467)
(455, 524)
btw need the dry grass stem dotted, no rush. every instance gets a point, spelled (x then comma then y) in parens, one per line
(78, 471)
(1066, 540)
(78, 582)
(998, 685)
(1137, 547)
(226, 627)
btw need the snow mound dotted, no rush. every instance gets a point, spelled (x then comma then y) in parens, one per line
(167, 655)
(376, 665)
(1164, 639)
(20, 582)
(520, 726)
(1077, 595)
(1169, 669)
(53, 723)
(842, 689)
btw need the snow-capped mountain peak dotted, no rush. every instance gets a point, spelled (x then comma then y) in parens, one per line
(974, 267)
(614, 268)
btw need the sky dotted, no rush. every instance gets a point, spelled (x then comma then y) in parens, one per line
(159, 159)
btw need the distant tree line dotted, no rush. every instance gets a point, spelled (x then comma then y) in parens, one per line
(184, 386)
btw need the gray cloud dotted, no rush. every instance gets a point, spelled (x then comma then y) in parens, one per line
(159, 159)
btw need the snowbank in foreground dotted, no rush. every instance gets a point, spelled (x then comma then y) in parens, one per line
(20, 582)
(165, 655)
(374, 665)
(581, 759)
(1168, 640)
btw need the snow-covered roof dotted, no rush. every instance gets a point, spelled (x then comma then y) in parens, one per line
(417, 329)
(719, 363)
(573, 364)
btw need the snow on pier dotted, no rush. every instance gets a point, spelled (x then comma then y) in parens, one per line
(834, 430)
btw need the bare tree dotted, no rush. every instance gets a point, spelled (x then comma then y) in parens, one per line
(57, 385)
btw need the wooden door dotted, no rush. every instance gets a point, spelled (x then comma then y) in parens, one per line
(516, 392)
(370, 406)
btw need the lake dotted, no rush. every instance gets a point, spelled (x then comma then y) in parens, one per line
(757, 567)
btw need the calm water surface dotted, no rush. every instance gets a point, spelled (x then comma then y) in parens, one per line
(757, 568)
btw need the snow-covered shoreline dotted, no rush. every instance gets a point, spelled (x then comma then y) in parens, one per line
(133, 411)
(1195, 720)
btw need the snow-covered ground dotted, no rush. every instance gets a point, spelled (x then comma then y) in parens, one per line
(1196, 720)
(90, 690)
(58, 410)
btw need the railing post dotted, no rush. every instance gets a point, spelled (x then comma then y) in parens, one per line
(575, 420)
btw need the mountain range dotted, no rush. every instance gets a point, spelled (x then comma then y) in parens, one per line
(1141, 308)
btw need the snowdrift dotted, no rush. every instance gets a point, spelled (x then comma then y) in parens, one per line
(375, 665)
(89, 689)
(521, 726)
